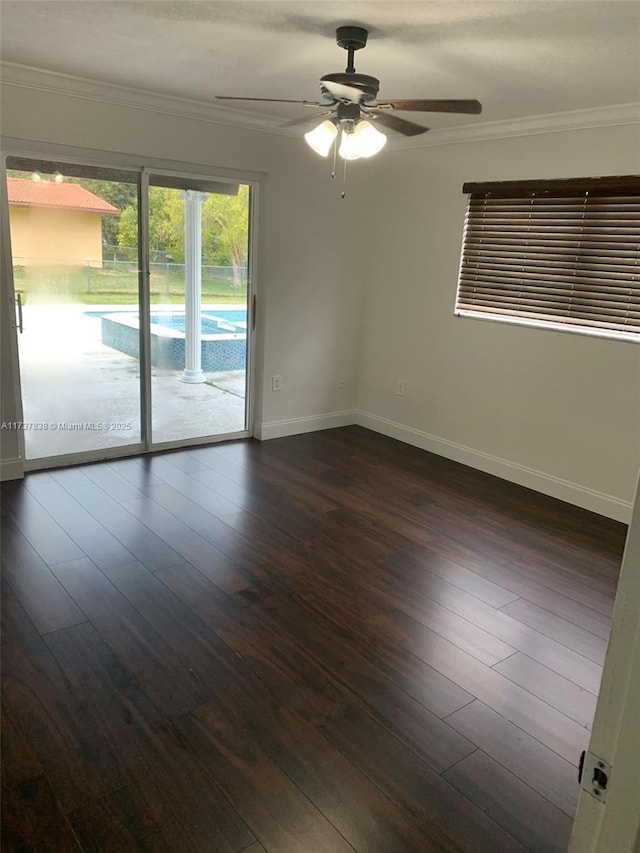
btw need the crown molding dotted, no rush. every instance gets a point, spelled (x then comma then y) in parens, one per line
(27, 77)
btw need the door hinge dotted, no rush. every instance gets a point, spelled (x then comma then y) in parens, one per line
(593, 775)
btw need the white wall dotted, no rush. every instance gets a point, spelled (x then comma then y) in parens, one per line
(555, 411)
(309, 286)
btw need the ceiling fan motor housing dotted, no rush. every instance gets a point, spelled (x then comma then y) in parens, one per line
(368, 86)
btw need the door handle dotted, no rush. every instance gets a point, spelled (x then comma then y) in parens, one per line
(254, 312)
(19, 304)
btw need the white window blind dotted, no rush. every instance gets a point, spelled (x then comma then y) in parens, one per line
(561, 254)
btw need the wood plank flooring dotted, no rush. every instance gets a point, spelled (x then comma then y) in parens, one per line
(329, 643)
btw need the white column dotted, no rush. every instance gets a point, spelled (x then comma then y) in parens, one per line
(192, 285)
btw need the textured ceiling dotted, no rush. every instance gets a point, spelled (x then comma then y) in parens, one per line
(520, 58)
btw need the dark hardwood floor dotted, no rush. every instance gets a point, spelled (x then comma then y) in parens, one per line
(326, 643)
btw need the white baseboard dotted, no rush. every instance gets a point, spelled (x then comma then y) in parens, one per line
(547, 484)
(11, 469)
(312, 423)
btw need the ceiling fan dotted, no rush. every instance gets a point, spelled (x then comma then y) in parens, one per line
(351, 99)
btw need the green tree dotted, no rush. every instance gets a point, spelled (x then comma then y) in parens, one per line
(128, 228)
(166, 224)
(225, 227)
(225, 230)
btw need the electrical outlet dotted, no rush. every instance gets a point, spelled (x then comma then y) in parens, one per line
(276, 383)
(341, 383)
(401, 388)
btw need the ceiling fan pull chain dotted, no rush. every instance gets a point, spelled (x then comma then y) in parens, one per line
(344, 181)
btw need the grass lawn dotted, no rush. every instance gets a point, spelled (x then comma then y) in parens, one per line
(93, 286)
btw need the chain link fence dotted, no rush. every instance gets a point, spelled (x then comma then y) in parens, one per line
(115, 276)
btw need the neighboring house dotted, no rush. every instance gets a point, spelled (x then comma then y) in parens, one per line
(55, 223)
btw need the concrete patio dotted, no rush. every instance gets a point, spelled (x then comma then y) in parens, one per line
(80, 395)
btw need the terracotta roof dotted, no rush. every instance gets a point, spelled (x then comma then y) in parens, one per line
(24, 192)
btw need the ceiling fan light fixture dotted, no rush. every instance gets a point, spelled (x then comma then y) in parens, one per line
(370, 141)
(321, 138)
(349, 147)
(363, 141)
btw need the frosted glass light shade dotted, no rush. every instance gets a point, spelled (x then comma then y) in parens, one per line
(368, 139)
(349, 147)
(321, 137)
(363, 141)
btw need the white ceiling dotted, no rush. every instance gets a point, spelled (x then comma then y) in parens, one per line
(519, 57)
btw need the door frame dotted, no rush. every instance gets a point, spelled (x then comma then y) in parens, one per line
(62, 154)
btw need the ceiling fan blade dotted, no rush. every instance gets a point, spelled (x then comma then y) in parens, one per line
(407, 128)
(342, 92)
(271, 100)
(437, 106)
(306, 118)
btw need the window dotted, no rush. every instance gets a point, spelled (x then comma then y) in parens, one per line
(555, 254)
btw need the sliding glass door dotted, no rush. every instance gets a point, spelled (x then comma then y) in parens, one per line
(199, 244)
(79, 395)
(119, 354)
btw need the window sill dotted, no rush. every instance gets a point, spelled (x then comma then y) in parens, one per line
(547, 325)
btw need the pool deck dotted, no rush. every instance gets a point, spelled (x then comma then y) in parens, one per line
(69, 377)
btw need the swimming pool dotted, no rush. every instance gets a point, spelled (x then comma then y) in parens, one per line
(223, 337)
(212, 322)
